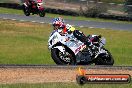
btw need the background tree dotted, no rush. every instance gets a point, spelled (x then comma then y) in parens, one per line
(128, 6)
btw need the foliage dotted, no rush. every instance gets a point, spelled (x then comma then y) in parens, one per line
(128, 6)
(93, 10)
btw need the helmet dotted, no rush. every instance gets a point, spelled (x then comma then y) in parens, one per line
(58, 22)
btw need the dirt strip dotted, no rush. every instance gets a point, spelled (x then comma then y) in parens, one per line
(43, 75)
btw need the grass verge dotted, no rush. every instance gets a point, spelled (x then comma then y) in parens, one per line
(26, 43)
(114, 1)
(20, 12)
(66, 85)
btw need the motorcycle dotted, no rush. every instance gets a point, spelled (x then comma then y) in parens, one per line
(69, 50)
(34, 8)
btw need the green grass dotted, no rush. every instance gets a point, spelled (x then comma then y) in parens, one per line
(5, 1)
(66, 85)
(113, 1)
(26, 43)
(10, 1)
(20, 12)
(10, 11)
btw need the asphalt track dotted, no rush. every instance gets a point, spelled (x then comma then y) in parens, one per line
(90, 24)
(67, 67)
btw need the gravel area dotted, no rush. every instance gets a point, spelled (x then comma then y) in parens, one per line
(43, 75)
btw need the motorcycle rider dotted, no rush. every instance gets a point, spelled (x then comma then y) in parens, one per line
(30, 3)
(60, 26)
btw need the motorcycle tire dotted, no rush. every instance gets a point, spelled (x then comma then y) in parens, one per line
(58, 60)
(42, 13)
(81, 79)
(26, 10)
(102, 60)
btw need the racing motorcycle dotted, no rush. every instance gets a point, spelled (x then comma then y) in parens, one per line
(69, 50)
(34, 8)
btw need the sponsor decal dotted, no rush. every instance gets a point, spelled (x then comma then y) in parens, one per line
(80, 48)
(83, 78)
(108, 78)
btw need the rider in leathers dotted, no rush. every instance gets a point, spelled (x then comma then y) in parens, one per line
(30, 3)
(62, 28)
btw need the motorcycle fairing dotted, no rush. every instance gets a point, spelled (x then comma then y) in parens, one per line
(75, 46)
(40, 6)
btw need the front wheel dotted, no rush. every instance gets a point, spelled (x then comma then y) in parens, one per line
(105, 59)
(42, 13)
(26, 10)
(62, 59)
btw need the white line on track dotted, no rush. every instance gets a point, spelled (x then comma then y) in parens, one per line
(91, 27)
(33, 21)
(103, 28)
(41, 22)
(13, 19)
(81, 26)
(5, 18)
(22, 20)
(50, 23)
(112, 3)
(99, 2)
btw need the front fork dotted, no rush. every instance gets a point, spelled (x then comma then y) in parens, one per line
(100, 51)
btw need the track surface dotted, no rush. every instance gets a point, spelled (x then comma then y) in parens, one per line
(10, 74)
(90, 24)
(66, 67)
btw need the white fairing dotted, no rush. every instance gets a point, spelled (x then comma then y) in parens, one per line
(25, 4)
(74, 44)
(61, 48)
(39, 4)
(70, 41)
(53, 39)
(67, 49)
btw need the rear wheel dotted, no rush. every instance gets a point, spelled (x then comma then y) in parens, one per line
(62, 59)
(105, 59)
